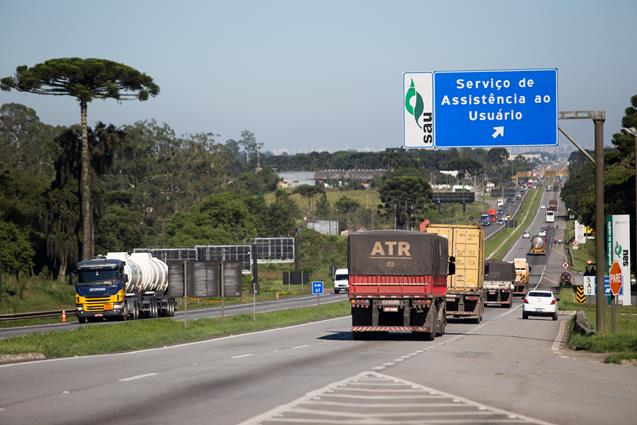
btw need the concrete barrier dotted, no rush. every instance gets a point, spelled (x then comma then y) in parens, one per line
(581, 325)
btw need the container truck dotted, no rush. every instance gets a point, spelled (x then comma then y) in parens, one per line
(122, 286)
(499, 277)
(538, 245)
(397, 282)
(522, 271)
(465, 289)
(553, 204)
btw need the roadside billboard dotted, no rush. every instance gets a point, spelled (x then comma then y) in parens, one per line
(618, 250)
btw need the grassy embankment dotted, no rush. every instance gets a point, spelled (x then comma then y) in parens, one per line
(497, 246)
(584, 252)
(142, 334)
(621, 346)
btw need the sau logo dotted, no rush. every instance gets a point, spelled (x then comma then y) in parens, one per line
(418, 89)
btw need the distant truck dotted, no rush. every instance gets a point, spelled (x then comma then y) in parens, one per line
(556, 185)
(465, 289)
(484, 220)
(538, 245)
(553, 205)
(522, 271)
(499, 278)
(122, 286)
(397, 282)
(341, 279)
(492, 215)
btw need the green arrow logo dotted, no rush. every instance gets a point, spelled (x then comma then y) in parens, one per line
(419, 105)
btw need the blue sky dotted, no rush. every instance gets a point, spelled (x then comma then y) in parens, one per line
(323, 75)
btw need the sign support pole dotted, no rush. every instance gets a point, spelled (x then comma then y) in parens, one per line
(600, 270)
(185, 294)
(223, 292)
(613, 315)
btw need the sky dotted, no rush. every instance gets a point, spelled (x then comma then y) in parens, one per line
(319, 75)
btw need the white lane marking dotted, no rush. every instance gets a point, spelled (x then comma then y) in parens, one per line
(277, 414)
(2, 409)
(187, 344)
(300, 346)
(241, 356)
(134, 378)
(508, 312)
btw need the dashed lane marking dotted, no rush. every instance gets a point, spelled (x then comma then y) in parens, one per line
(334, 404)
(134, 378)
(242, 356)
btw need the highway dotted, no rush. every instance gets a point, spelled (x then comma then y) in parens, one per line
(504, 370)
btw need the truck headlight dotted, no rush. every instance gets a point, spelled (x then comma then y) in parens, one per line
(118, 306)
(79, 308)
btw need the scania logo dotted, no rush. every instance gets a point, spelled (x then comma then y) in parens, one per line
(96, 289)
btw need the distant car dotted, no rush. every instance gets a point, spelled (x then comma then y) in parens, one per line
(500, 221)
(539, 303)
(341, 280)
(543, 207)
(526, 235)
(542, 232)
(507, 217)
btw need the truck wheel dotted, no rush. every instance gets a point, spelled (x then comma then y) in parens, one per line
(430, 336)
(82, 319)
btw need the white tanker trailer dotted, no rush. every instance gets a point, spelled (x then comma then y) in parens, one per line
(124, 286)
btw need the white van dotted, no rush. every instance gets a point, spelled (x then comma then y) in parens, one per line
(341, 283)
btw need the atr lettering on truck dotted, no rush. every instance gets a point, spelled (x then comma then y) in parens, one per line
(391, 249)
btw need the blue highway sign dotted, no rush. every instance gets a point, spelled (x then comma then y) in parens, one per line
(317, 287)
(481, 108)
(495, 108)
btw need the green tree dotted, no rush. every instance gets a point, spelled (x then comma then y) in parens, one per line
(406, 199)
(309, 192)
(85, 80)
(16, 253)
(218, 219)
(346, 208)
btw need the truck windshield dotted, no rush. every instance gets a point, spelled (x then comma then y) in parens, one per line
(92, 277)
(340, 277)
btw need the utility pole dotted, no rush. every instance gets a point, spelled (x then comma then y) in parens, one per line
(598, 118)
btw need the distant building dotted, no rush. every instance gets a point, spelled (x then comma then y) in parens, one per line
(365, 177)
(326, 227)
(292, 179)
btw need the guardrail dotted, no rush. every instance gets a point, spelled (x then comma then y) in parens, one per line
(35, 314)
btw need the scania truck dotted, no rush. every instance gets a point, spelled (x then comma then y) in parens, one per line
(122, 286)
(397, 282)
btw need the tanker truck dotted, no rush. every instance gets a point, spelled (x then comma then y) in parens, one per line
(538, 246)
(122, 286)
(398, 282)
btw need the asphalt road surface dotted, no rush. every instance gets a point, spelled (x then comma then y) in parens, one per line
(504, 370)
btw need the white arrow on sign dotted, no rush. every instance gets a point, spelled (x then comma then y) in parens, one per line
(499, 131)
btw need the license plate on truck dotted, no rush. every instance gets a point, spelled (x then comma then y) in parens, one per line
(390, 309)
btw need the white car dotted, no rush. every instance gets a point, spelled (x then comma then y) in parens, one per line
(542, 207)
(526, 235)
(539, 303)
(341, 280)
(542, 233)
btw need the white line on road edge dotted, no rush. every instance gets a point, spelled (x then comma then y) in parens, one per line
(315, 395)
(300, 346)
(241, 356)
(134, 378)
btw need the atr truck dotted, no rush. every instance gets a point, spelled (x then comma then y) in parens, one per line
(498, 282)
(465, 289)
(522, 271)
(397, 282)
(122, 286)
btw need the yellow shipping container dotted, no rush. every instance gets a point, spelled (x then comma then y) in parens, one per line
(466, 243)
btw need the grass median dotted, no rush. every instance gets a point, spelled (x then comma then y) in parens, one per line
(497, 246)
(620, 346)
(140, 334)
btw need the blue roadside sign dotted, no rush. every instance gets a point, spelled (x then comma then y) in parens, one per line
(481, 108)
(607, 287)
(317, 287)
